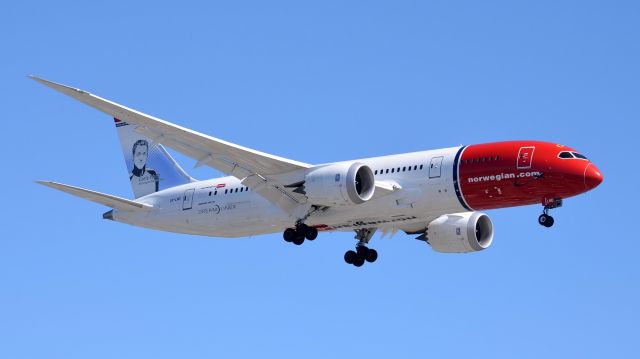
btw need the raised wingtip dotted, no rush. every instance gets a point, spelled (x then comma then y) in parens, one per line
(55, 85)
(38, 79)
(46, 183)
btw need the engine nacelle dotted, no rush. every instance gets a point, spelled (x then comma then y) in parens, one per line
(460, 232)
(340, 184)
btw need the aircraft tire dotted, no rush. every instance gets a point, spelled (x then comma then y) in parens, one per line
(372, 255)
(545, 220)
(289, 234)
(349, 257)
(311, 234)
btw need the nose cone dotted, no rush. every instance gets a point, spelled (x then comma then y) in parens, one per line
(592, 177)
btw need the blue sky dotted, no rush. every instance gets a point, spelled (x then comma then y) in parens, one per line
(317, 82)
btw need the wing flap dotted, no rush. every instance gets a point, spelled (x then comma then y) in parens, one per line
(108, 200)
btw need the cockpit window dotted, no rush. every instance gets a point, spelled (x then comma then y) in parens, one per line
(565, 155)
(579, 155)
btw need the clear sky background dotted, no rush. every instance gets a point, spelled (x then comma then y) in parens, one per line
(317, 82)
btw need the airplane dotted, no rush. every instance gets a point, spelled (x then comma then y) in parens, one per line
(436, 195)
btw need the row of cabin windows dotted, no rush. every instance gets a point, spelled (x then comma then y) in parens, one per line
(481, 159)
(229, 191)
(399, 169)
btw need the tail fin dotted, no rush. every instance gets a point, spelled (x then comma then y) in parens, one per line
(151, 168)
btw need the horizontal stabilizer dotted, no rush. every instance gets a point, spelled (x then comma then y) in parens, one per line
(118, 203)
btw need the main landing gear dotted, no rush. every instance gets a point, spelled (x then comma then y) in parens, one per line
(545, 219)
(299, 234)
(362, 252)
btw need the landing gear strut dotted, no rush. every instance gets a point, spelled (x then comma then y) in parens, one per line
(545, 219)
(300, 233)
(362, 252)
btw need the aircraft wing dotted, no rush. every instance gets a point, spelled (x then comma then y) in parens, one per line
(108, 200)
(258, 168)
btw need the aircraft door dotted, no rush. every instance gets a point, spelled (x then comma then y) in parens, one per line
(435, 167)
(187, 200)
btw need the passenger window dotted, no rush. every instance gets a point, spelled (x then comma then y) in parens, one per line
(415, 168)
(393, 169)
(215, 193)
(241, 189)
(236, 190)
(409, 168)
(398, 169)
(565, 155)
(404, 169)
(387, 170)
(209, 193)
(421, 166)
(376, 172)
(225, 191)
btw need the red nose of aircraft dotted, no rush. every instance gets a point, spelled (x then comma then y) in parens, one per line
(592, 176)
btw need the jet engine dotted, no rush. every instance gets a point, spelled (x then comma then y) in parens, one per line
(343, 183)
(460, 232)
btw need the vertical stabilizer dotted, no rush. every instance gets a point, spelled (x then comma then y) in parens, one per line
(150, 167)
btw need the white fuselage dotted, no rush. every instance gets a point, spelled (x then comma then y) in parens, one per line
(203, 208)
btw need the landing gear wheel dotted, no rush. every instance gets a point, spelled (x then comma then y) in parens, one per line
(361, 255)
(349, 257)
(289, 234)
(372, 255)
(362, 251)
(298, 240)
(311, 234)
(545, 220)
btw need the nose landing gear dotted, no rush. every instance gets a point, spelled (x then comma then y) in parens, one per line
(545, 219)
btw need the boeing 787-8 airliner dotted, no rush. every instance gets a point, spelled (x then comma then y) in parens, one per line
(435, 195)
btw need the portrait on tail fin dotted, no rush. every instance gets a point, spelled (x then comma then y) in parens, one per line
(149, 166)
(144, 180)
